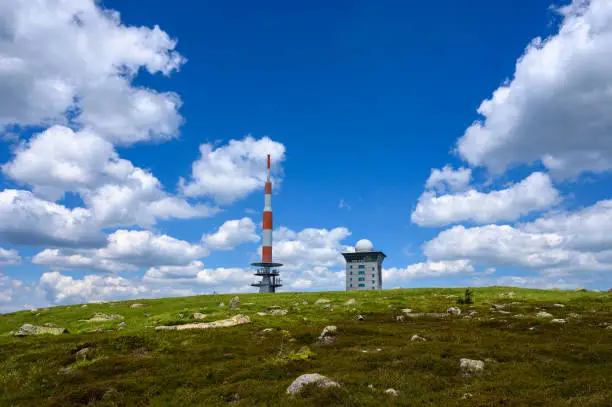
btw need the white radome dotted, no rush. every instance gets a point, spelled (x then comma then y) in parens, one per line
(364, 245)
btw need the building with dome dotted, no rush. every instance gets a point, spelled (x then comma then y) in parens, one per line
(364, 267)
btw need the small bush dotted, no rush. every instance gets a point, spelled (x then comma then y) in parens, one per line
(468, 297)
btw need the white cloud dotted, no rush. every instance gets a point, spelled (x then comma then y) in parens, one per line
(309, 248)
(88, 74)
(556, 107)
(393, 275)
(61, 160)
(61, 289)
(220, 279)
(533, 193)
(9, 257)
(25, 219)
(344, 205)
(233, 171)
(449, 180)
(231, 234)
(127, 250)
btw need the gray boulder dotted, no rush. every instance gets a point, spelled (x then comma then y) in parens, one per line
(199, 315)
(471, 365)
(543, 314)
(350, 302)
(137, 305)
(29, 329)
(392, 392)
(328, 335)
(100, 317)
(234, 303)
(415, 338)
(453, 311)
(319, 380)
(322, 301)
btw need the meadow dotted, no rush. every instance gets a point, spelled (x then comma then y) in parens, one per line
(528, 360)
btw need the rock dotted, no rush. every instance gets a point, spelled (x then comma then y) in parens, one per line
(389, 306)
(82, 354)
(543, 314)
(328, 335)
(466, 396)
(84, 306)
(122, 324)
(100, 317)
(360, 318)
(234, 303)
(304, 302)
(497, 306)
(319, 380)
(350, 302)
(137, 305)
(222, 304)
(322, 301)
(453, 311)
(583, 290)
(509, 294)
(406, 310)
(50, 325)
(426, 314)
(471, 365)
(274, 307)
(224, 323)
(415, 338)
(328, 306)
(278, 312)
(392, 392)
(609, 327)
(558, 321)
(472, 313)
(180, 316)
(262, 314)
(199, 315)
(263, 331)
(371, 386)
(573, 315)
(558, 305)
(596, 291)
(147, 315)
(504, 312)
(399, 318)
(28, 329)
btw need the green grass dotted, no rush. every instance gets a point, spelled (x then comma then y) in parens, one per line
(551, 365)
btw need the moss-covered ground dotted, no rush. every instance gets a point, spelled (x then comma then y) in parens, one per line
(528, 361)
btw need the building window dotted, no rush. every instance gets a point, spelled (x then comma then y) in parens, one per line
(351, 278)
(372, 274)
(373, 288)
(351, 266)
(361, 285)
(373, 282)
(361, 266)
(351, 285)
(372, 268)
(361, 272)
(351, 273)
(361, 278)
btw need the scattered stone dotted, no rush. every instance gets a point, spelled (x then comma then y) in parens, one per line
(471, 365)
(350, 302)
(497, 306)
(543, 314)
(328, 306)
(328, 335)
(137, 305)
(322, 301)
(596, 291)
(583, 290)
(222, 304)
(399, 318)
(472, 313)
(532, 328)
(263, 331)
(389, 306)
(453, 311)
(274, 307)
(199, 315)
(360, 318)
(180, 316)
(84, 306)
(122, 324)
(406, 310)
(262, 314)
(609, 327)
(371, 386)
(573, 315)
(558, 321)
(417, 338)
(82, 354)
(97, 331)
(234, 303)
(278, 312)
(319, 380)
(515, 303)
(509, 294)
(29, 329)
(392, 392)
(224, 323)
(49, 325)
(426, 314)
(504, 312)
(558, 305)
(467, 396)
(100, 317)
(304, 302)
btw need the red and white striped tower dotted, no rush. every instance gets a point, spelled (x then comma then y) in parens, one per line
(266, 250)
(267, 269)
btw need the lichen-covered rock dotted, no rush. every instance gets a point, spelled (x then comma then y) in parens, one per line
(82, 354)
(322, 301)
(406, 310)
(100, 317)
(278, 312)
(543, 314)
(29, 329)
(224, 323)
(234, 303)
(471, 365)
(137, 305)
(328, 335)
(558, 321)
(453, 311)
(319, 380)
(360, 318)
(415, 338)
(558, 305)
(392, 392)
(350, 302)
(199, 315)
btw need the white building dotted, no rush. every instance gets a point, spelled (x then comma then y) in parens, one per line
(364, 267)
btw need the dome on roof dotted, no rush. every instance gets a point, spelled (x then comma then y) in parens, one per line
(364, 245)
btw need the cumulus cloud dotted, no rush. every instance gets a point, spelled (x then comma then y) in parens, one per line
(448, 180)
(395, 275)
(310, 248)
(231, 234)
(89, 76)
(233, 171)
(221, 279)
(555, 110)
(28, 220)
(8, 257)
(535, 192)
(126, 250)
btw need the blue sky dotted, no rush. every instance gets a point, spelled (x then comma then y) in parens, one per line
(363, 103)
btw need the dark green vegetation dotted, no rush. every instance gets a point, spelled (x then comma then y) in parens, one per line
(550, 365)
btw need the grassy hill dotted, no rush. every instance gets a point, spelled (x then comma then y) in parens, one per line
(529, 361)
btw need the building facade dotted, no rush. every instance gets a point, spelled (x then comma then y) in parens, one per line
(364, 267)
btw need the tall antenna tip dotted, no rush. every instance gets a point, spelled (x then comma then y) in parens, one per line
(268, 161)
